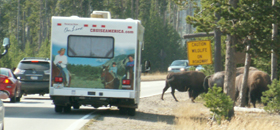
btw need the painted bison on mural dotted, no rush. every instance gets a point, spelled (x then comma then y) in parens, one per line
(256, 84)
(191, 81)
(218, 78)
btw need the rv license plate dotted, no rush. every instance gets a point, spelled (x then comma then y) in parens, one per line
(34, 77)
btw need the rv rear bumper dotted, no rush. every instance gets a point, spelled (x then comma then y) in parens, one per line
(93, 101)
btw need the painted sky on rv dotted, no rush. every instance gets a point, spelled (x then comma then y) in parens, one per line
(90, 61)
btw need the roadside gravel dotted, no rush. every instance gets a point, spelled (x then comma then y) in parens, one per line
(152, 114)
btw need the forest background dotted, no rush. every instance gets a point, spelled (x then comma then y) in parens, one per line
(28, 25)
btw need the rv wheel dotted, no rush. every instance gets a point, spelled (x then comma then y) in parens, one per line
(58, 108)
(67, 109)
(131, 111)
(122, 110)
(76, 106)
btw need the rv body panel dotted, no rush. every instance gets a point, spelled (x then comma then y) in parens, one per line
(95, 58)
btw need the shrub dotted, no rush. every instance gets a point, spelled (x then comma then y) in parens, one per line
(218, 102)
(192, 68)
(271, 97)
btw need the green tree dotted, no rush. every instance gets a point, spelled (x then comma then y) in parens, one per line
(162, 42)
(254, 24)
(45, 49)
(29, 50)
(271, 97)
(28, 24)
(14, 52)
(218, 103)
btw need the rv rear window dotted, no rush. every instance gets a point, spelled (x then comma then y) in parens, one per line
(90, 46)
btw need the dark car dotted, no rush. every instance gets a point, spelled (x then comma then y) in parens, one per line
(33, 73)
(179, 65)
(10, 84)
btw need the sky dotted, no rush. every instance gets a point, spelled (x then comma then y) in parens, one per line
(90, 61)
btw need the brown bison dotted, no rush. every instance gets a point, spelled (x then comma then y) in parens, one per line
(191, 81)
(218, 78)
(256, 84)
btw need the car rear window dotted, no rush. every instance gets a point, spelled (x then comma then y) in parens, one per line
(179, 63)
(4, 72)
(25, 65)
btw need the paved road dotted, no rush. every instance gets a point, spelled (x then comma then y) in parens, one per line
(151, 88)
(36, 112)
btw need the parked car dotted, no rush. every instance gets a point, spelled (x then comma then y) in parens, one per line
(33, 73)
(179, 65)
(199, 68)
(10, 84)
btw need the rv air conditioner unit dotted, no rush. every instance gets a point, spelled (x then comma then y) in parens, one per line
(100, 14)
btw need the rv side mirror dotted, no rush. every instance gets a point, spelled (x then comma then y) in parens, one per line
(6, 43)
(147, 66)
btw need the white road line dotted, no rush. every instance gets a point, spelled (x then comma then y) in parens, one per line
(76, 123)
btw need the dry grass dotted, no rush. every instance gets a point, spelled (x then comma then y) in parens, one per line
(89, 123)
(153, 76)
(197, 117)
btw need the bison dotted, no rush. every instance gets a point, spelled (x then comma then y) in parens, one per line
(191, 81)
(256, 84)
(218, 78)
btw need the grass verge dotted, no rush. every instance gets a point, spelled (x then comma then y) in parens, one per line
(90, 122)
(197, 117)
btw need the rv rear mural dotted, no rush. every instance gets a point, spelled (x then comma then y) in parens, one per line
(107, 70)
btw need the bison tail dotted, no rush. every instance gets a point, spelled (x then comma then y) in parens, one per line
(205, 83)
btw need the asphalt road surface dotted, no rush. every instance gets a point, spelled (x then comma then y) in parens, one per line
(36, 112)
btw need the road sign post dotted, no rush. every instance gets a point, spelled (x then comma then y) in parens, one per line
(199, 52)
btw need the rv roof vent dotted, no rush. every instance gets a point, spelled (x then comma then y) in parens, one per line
(128, 19)
(101, 14)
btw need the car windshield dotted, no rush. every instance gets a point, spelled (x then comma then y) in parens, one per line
(34, 66)
(179, 63)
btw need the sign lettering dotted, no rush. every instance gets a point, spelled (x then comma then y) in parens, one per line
(199, 52)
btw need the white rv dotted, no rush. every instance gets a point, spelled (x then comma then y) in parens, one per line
(96, 61)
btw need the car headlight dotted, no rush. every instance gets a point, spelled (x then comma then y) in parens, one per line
(169, 69)
(196, 69)
(182, 69)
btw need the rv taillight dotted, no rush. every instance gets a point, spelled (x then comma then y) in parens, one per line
(126, 82)
(58, 79)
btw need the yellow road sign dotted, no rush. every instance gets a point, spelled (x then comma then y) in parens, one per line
(199, 52)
